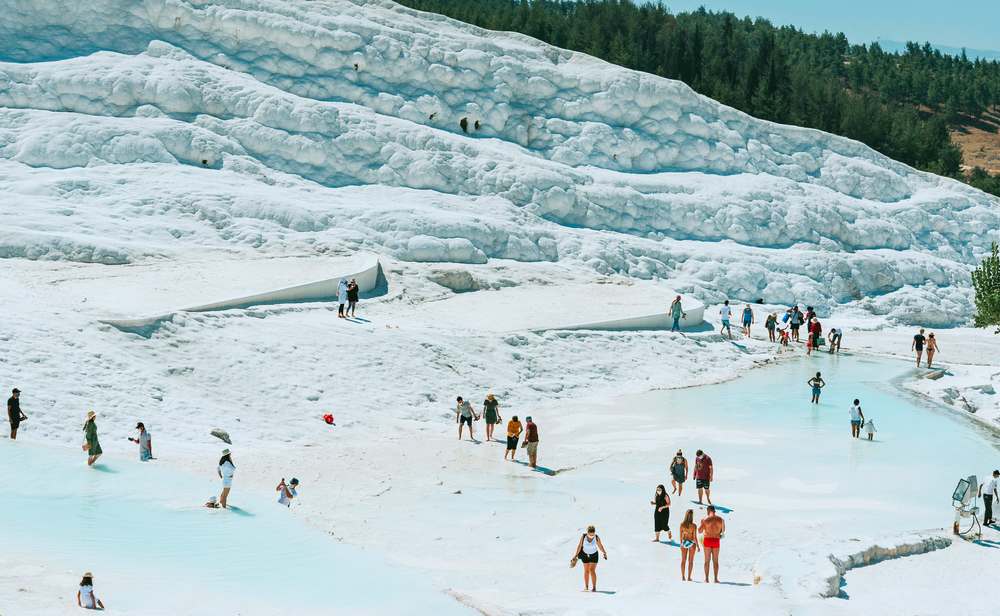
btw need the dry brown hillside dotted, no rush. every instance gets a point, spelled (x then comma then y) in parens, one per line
(980, 141)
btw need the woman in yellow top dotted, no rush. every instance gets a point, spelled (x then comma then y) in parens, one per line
(513, 435)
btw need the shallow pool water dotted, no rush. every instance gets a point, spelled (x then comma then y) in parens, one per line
(142, 531)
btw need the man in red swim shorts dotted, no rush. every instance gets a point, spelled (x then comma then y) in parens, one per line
(714, 528)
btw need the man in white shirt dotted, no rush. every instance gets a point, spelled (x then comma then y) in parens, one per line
(857, 418)
(726, 312)
(287, 492)
(988, 491)
(145, 443)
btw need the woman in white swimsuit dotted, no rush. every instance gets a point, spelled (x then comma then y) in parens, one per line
(689, 543)
(586, 551)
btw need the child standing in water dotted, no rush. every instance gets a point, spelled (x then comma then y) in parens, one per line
(870, 428)
(817, 385)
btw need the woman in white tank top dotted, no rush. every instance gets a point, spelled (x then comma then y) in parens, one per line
(586, 551)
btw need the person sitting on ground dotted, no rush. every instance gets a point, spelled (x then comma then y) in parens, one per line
(85, 596)
(212, 502)
(287, 492)
(714, 528)
(144, 441)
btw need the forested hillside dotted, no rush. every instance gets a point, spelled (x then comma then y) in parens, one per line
(899, 104)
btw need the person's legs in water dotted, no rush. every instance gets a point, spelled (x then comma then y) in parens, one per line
(930, 357)
(92, 459)
(222, 499)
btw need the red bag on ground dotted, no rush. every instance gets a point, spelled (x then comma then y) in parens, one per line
(328, 419)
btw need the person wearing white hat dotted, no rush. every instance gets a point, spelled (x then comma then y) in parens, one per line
(85, 596)
(92, 447)
(212, 502)
(226, 471)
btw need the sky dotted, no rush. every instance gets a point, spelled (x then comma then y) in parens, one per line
(958, 23)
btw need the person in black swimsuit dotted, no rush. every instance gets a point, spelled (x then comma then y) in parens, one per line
(918, 345)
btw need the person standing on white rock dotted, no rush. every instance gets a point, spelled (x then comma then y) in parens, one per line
(342, 298)
(794, 322)
(463, 415)
(676, 313)
(14, 413)
(748, 320)
(226, 471)
(932, 348)
(352, 298)
(531, 441)
(678, 473)
(145, 442)
(918, 345)
(990, 488)
(726, 312)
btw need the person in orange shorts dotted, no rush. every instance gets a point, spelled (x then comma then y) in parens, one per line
(714, 528)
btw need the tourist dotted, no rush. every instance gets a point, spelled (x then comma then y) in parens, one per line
(85, 596)
(836, 335)
(14, 412)
(92, 446)
(677, 313)
(918, 345)
(212, 502)
(794, 322)
(286, 492)
(491, 414)
(770, 325)
(810, 313)
(661, 513)
(586, 551)
(932, 348)
(352, 298)
(714, 528)
(726, 312)
(513, 435)
(783, 333)
(464, 415)
(817, 383)
(689, 544)
(857, 418)
(341, 298)
(747, 320)
(531, 441)
(144, 441)
(226, 471)
(703, 475)
(870, 428)
(990, 493)
(678, 473)
(815, 329)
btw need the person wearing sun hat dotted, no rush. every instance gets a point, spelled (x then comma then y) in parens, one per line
(85, 596)
(226, 471)
(93, 447)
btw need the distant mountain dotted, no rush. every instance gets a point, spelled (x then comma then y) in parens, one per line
(985, 54)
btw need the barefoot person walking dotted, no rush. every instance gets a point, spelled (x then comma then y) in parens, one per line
(714, 528)
(464, 415)
(678, 473)
(676, 313)
(661, 513)
(932, 348)
(726, 312)
(226, 471)
(491, 414)
(748, 320)
(689, 543)
(531, 441)
(817, 383)
(586, 551)
(857, 418)
(513, 435)
(918, 345)
(92, 447)
(703, 475)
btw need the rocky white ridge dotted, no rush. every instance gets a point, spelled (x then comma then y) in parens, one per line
(470, 145)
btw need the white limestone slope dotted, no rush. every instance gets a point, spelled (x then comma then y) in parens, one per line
(237, 124)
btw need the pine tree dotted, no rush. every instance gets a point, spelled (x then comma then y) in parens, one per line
(986, 282)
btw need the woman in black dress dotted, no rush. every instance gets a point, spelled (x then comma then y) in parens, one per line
(661, 513)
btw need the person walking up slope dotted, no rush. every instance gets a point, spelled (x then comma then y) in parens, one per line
(703, 475)
(661, 513)
(464, 415)
(586, 551)
(748, 320)
(678, 473)
(491, 414)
